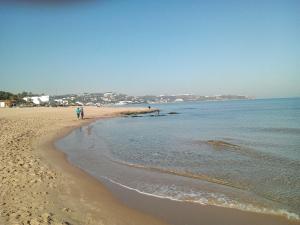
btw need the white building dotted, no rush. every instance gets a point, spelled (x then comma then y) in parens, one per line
(61, 101)
(38, 99)
(108, 94)
(2, 104)
(79, 103)
(123, 102)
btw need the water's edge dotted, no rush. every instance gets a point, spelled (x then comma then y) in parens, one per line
(105, 180)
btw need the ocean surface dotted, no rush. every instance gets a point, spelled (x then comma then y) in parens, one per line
(239, 154)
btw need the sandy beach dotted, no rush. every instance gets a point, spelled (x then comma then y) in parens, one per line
(39, 186)
(149, 112)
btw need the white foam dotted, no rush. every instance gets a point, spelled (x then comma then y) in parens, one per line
(205, 199)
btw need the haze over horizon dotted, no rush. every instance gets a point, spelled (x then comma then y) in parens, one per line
(158, 47)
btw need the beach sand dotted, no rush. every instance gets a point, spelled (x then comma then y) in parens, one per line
(39, 186)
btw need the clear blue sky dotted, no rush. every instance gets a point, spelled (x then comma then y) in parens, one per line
(152, 47)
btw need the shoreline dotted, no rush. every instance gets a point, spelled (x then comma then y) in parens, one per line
(179, 212)
(79, 198)
(188, 212)
(52, 190)
(91, 185)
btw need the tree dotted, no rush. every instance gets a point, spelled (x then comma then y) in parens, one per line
(6, 95)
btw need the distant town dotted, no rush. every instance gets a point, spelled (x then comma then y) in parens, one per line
(24, 99)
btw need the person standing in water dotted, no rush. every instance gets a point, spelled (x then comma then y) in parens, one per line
(81, 113)
(78, 112)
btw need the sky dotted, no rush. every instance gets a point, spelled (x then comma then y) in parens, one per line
(152, 47)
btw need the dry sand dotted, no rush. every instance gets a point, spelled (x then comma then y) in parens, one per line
(37, 185)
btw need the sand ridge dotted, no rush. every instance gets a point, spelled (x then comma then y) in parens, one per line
(36, 189)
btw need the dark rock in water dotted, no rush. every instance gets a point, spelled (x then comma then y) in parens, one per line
(173, 113)
(189, 108)
(157, 115)
(136, 116)
(217, 143)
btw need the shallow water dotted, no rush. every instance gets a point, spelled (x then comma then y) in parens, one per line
(237, 154)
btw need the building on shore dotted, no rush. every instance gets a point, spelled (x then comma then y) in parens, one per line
(38, 100)
(7, 103)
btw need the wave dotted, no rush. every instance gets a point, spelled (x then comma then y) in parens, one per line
(218, 144)
(219, 200)
(202, 177)
(244, 150)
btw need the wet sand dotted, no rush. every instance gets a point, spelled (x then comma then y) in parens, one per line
(39, 186)
(181, 213)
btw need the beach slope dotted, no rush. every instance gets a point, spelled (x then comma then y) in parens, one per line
(39, 186)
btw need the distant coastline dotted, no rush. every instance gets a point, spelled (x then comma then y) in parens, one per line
(28, 99)
(113, 98)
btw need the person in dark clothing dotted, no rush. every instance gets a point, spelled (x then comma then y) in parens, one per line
(81, 113)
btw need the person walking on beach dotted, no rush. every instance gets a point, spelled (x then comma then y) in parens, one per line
(81, 113)
(77, 112)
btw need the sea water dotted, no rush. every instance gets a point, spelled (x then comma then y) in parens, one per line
(241, 154)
